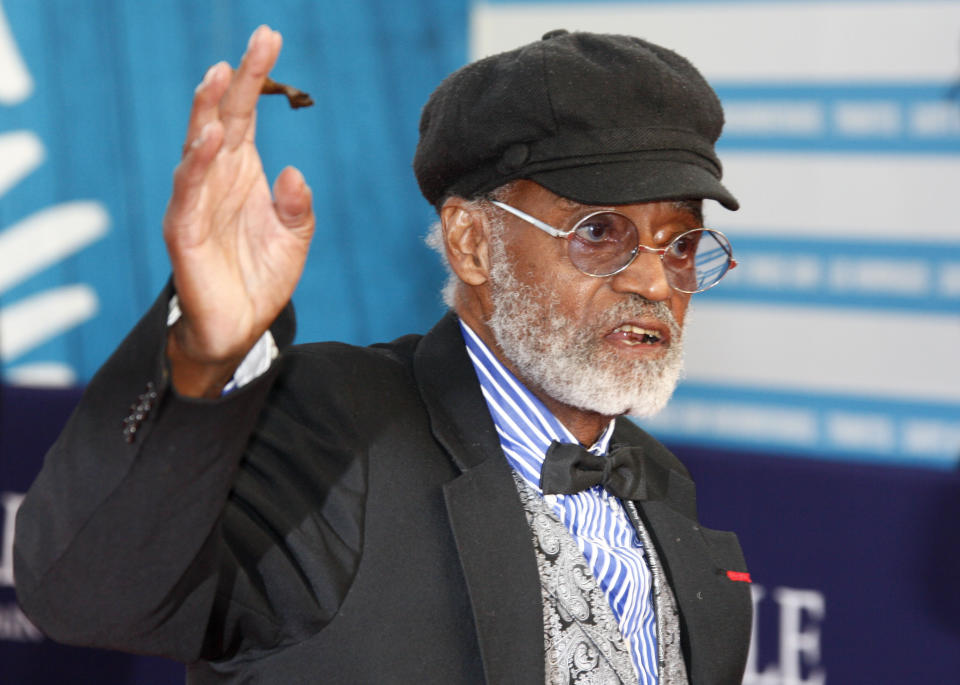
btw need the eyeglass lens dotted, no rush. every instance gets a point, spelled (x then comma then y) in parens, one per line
(603, 243)
(606, 242)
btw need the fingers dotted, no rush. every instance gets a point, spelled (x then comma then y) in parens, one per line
(188, 186)
(238, 105)
(293, 201)
(206, 101)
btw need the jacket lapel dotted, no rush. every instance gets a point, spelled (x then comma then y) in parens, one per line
(488, 522)
(715, 610)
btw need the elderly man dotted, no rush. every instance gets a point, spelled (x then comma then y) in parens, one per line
(463, 506)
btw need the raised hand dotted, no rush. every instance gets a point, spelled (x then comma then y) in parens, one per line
(237, 250)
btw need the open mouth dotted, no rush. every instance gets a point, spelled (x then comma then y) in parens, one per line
(630, 334)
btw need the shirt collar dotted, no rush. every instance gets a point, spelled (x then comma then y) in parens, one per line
(525, 425)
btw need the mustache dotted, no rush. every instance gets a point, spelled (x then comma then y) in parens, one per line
(638, 307)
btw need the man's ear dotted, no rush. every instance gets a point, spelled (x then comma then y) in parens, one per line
(465, 239)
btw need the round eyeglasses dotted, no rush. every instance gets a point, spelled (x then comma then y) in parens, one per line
(605, 243)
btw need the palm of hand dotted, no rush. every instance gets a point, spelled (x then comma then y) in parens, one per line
(237, 250)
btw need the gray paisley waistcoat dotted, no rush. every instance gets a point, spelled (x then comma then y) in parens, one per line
(582, 640)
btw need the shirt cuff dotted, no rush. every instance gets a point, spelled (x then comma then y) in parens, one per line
(255, 364)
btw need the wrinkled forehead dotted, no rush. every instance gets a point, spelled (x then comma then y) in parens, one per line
(692, 207)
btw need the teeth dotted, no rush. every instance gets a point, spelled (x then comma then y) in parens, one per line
(652, 336)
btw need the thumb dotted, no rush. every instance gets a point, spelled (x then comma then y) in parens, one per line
(293, 201)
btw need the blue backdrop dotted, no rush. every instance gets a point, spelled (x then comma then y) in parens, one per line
(104, 120)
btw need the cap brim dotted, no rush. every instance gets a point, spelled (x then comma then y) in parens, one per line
(630, 181)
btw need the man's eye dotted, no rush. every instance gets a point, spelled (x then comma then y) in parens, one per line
(604, 228)
(684, 246)
(593, 232)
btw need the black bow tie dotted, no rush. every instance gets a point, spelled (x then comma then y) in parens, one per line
(569, 468)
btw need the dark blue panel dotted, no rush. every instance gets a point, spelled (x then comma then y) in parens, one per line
(879, 543)
(29, 422)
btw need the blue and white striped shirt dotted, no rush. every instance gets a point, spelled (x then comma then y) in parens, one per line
(595, 518)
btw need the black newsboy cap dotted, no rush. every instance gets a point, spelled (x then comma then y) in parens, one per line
(596, 118)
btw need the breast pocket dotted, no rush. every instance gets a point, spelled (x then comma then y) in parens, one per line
(724, 549)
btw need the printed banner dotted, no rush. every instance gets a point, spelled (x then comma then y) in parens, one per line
(94, 98)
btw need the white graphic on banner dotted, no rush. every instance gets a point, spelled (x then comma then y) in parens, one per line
(15, 82)
(837, 334)
(10, 503)
(14, 625)
(799, 657)
(35, 243)
(753, 41)
(20, 153)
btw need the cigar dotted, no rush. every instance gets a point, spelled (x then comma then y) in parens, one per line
(296, 98)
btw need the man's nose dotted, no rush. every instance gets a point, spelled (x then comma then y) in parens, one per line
(645, 276)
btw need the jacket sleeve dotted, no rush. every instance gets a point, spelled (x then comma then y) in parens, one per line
(118, 542)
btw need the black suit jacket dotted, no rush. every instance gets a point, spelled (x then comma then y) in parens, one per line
(347, 517)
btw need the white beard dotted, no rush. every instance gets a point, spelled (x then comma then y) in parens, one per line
(570, 362)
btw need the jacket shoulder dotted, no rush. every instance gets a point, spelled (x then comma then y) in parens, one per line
(329, 361)
(397, 353)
